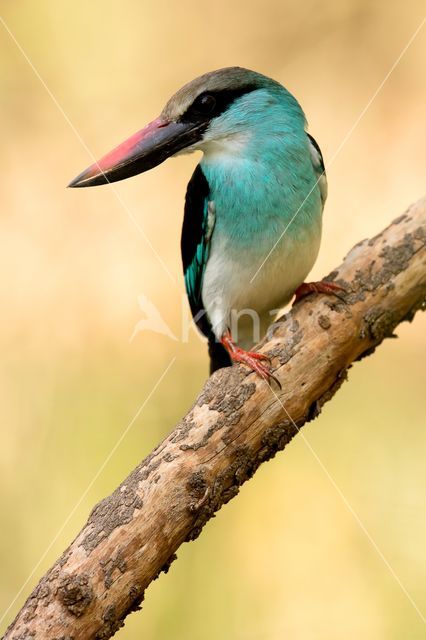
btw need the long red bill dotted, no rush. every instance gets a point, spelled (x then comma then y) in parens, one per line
(142, 151)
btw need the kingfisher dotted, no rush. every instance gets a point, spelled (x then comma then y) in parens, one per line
(253, 208)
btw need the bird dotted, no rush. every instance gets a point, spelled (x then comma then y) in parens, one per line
(253, 207)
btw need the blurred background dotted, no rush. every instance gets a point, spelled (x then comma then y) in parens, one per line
(286, 559)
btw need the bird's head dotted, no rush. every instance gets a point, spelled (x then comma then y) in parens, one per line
(218, 110)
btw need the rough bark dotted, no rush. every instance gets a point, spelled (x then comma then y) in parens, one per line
(236, 423)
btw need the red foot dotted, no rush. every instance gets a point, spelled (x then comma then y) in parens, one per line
(250, 358)
(330, 288)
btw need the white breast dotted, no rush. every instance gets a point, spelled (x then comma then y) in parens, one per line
(234, 299)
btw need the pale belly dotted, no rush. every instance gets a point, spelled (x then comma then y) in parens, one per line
(244, 295)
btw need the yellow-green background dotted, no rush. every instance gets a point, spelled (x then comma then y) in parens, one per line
(286, 559)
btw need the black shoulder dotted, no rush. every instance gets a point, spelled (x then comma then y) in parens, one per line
(198, 223)
(316, 146)
(196, 199)
(318, 165)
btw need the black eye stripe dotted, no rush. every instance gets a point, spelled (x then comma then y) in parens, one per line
(222, 100)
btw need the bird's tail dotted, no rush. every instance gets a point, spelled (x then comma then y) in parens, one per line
(219, 357)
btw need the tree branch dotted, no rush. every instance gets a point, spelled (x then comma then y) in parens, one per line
(236, 423)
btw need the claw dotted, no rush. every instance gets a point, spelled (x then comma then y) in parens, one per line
(259, 356)
(252, 359)
(329, 288)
